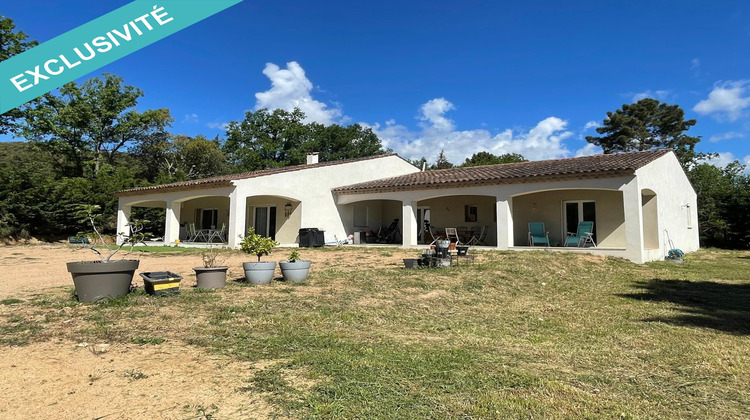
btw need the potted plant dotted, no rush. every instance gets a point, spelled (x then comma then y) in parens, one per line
(294, 269)
(254, 244)
(213, 275)
(107, 277)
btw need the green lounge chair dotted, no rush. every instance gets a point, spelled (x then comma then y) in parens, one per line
(583, 236)
(537, 234)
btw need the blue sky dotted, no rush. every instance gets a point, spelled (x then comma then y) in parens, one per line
(464, 76)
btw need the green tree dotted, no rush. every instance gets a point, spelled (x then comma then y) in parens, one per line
(442, 162)
(487, 158)
(271, 139)
(267, 140)
(645, 125)
(165, 159)
(723, 204)
(335, 142)
(86, 126)
(12, 43)
(197, 157)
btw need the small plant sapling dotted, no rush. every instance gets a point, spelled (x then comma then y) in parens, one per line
(293, 256)
(90, 213)
(255, 244)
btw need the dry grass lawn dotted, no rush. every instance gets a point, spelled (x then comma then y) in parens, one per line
(514, 335)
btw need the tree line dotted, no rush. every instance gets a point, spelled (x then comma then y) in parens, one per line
(84, 142)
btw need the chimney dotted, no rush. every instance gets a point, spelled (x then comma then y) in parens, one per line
(312, 158)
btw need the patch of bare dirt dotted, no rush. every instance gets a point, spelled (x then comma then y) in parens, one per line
(66, 380)
(54, 377)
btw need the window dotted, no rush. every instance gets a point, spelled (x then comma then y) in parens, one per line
(470, 214)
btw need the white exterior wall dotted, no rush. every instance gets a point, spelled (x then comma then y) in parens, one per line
(674, 194)
(312, 187)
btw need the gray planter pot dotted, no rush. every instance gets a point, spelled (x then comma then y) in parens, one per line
(96, 280)
(259, 272)
(211, 277)
(296, 271)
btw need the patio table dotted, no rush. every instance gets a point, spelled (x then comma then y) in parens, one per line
(208, 235)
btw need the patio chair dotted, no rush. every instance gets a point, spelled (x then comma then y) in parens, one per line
(221, 234)
(452, 235)
(433, 234)
(584, 235)
(388, 235)
(479, 240)
(191, 232)
(537, 234)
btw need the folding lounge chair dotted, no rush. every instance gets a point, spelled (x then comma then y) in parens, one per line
(537, 234)
(584, 235)
(388, 235)
(480, 239)
(452, 235)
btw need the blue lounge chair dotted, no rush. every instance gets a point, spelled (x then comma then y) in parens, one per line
(583, 236)
(537, 234)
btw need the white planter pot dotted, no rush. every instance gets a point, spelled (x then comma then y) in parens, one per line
(259, 272)
(296, 271)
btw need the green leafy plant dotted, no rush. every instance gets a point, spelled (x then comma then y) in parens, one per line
(293, 256)
(255, 244)
(90, 213)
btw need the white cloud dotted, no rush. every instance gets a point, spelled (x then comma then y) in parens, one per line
(661, 95)
(725, 136)
(432, 113)
(190, 118)
(726, 158)
(290, 89)
(590, 124)
(544, 141)
(695, 63)
(588, 150)
(218, 125)
(726, 100)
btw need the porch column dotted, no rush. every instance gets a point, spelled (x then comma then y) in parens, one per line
(409, 223)
(631, 200)
(172, 222)
(504, 206)
(123, 218)
(237, 213)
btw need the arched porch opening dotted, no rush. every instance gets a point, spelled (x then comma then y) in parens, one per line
(153, 214)
(561, 210)
(470, 215)
(276, 217)
(649, 212)
(207, 213)
(368, 218)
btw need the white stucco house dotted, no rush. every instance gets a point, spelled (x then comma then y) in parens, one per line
(634, 199)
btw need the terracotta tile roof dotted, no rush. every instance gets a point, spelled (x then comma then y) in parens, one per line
(226, 180)
(597, 166)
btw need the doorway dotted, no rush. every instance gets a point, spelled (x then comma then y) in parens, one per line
(578, 211)
(264, 218)
(208, 218)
